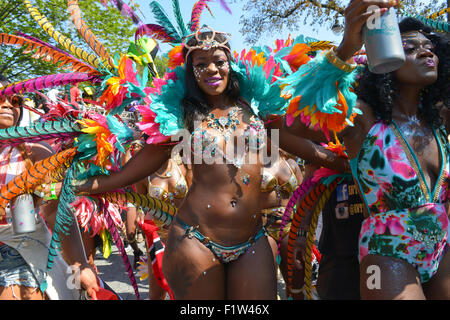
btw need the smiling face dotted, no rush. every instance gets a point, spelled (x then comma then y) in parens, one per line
(9, 110)
(421, 65)
(211, 70)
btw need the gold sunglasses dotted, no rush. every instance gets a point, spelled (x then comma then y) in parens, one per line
(15, 100)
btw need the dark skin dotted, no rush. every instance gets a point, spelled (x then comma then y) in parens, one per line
(71, 244)
(191, 269)
(282, 170)
(160, 179)
(418, 72)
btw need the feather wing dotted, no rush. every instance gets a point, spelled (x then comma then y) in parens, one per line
(87, 34)
(61, 39)
(50, 81)
(164, 21)
(47, 52)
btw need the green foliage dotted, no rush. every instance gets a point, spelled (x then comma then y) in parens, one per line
(268, 16)
(161, 65)
(110, 27)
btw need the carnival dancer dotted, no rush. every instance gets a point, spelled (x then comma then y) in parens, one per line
(24, 256)
(217, 239)
(399, 155)
(278, 185)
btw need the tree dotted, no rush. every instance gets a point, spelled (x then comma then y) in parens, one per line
(161, 63)
(110, 27)
(261, 16)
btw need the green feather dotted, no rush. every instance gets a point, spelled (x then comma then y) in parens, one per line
(164, 21)
(179, 18)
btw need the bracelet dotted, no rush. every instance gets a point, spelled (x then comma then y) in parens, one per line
(53, 195)
(302, 233)
(333, 59)
(295, 291)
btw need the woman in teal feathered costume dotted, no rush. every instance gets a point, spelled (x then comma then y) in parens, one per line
(217, 246)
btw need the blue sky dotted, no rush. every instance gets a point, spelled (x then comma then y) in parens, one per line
(223, 21)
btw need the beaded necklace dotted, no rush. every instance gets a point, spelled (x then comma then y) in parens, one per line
(226, 125)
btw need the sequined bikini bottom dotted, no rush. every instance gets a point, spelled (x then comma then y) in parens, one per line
(224, 254)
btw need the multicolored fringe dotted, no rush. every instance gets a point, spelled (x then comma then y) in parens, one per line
(159, 210)
(119, 244)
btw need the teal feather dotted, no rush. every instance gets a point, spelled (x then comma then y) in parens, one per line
(64, 215)
(316, 81)
(167, 105)
(164, 21)
(122, 132)
(179, 18)
(264, 97)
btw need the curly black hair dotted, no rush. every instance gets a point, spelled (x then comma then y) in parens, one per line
(378, 90)
(195, 105)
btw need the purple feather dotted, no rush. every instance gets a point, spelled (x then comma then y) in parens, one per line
(126, 11)
(225, 6)
(154, 31)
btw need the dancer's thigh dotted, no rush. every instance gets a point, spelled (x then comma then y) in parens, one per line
(252, 276)
(16, 292)
(191, 270)
(388, 278)
(438, 287)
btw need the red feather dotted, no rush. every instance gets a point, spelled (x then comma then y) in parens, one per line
(154, 31)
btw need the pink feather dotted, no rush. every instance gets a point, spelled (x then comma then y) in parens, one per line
(50, 81)
(197, 10)
(154, 31)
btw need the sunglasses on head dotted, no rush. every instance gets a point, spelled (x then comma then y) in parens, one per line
(15, 100)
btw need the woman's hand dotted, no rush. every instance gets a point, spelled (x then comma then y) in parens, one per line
(356, 15)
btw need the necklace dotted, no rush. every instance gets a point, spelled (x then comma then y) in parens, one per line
(226, 125)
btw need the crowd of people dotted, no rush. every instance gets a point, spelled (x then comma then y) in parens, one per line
(236, 224)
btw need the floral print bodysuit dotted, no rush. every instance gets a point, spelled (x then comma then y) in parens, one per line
(407, 219)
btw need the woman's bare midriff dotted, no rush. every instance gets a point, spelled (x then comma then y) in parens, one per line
(221, 205)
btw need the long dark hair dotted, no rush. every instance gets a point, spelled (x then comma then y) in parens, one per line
(379, 90)
(195, 104)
